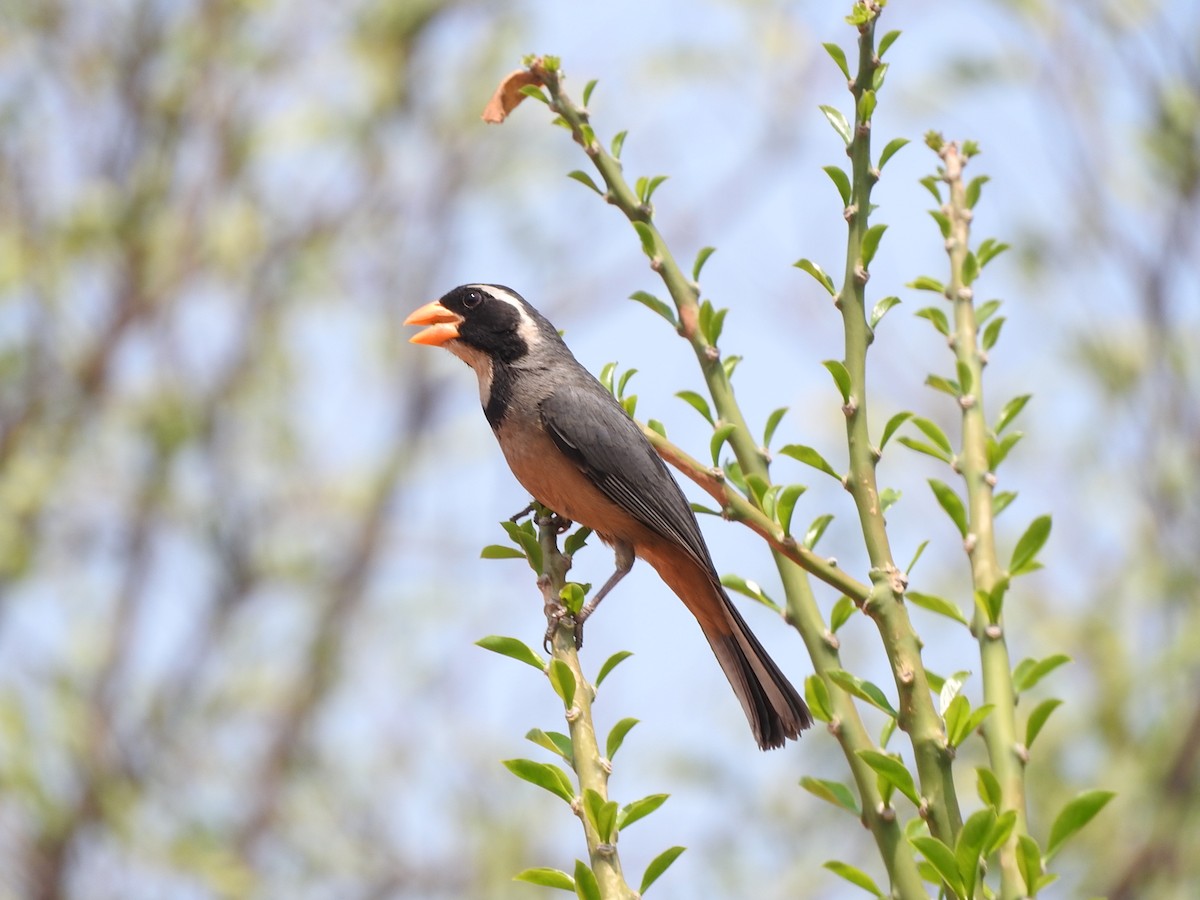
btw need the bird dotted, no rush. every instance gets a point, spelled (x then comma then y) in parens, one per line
(575, 449)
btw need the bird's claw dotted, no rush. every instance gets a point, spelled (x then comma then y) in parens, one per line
(517, 517)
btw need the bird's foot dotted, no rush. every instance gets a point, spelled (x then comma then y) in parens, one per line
(556, 611)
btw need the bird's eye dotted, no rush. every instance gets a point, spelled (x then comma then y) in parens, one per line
(473, 299)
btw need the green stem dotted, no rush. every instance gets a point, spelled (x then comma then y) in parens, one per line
(591, 768)
(918, 716)
(1000, 729)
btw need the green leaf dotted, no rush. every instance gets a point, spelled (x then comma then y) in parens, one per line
(587, 91)
(841, 181)
(586, 886)
(646, 235)
(786, 505)
(815, 530)
(890, 150)
(816, 272)
(922, 447)
(943, 861)
(773, 421)
(618, 143)
(500, 551)
(720, 436)
(838, 121)
(575, 541)
(997, 451)
(841, 377)
(934, 433)
(985, 311)
(970, 269)
(624, 380)
(988, 251)
(856, 877)
(870, 243)
(607, 371)
(888, 498)
(925, 283)
(886, 41)
(991, 333)
(938, 605)
(572, 595)
(1037, 719)
(532, 90)
(892, 424)
(809, 457)
(951, 503)
(920, 549)
(1030, 671)
(962, 721)
(973, 189)
(511, 647)
(555, 742)
(658, 865)
(965, 379)
(1001, 500)
(988, 787)
(544, 775)
(617, 736)
(701, 259)
(729, 364)
(866, 106)
(1010, 411)
(881, 309)
(639, 809)
(1001, 831)
(1029, 863)
(563, 681)
(832, 792)
(816, 695)
(524, 535)
(1028, 546)
(611, 663)
(838, 56)
(649, 300)
(653, 185)
(1074, 816)
(945, 385)
(547, 878)
(842, 610)
(943, 221)
(698, 403)
(586, 180)
(930, 183)
(968, 850)
(936, 317)
(893, 771)
(601, 813)
(864, 690)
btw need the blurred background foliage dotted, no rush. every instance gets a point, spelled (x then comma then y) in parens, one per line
(237, 533)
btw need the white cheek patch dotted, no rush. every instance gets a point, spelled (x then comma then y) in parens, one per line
(528, 329)
(480, 362)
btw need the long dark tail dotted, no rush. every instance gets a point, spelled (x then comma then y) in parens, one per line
(775, 709)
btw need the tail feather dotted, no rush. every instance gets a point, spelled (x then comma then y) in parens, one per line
(775, 709)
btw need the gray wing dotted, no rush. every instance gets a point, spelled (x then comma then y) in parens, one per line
(591, 428)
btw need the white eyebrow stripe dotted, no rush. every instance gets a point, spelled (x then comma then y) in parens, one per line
(528, 329)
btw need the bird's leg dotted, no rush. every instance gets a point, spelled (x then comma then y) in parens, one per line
(624, 558)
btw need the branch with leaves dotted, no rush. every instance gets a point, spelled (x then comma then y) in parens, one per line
(601, 876)
(936, 846)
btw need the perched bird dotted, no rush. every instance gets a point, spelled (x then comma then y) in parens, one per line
(574, 448)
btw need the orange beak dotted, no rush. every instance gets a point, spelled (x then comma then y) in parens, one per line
(443, 324)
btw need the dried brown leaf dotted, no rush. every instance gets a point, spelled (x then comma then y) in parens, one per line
(508, 95)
